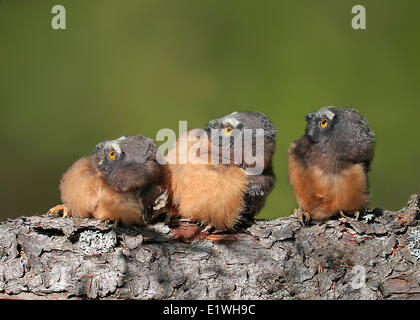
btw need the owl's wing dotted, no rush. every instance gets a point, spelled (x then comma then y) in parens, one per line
(259, 186)
(359, 151)
(356, 140)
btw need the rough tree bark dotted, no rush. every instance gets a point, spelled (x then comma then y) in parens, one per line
(377, 257)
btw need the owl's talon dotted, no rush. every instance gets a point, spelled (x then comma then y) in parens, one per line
(303, 216)
(59, 208)
(207, 228)
(356, 215)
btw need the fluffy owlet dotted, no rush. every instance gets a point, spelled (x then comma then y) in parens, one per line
(119, 182)
(223, 195)
(328, 165)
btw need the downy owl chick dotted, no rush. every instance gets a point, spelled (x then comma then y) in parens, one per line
(228, 193)
(328, 165)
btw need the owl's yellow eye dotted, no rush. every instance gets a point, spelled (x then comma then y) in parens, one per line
(323, 123)
(111, 155)
(228, 131)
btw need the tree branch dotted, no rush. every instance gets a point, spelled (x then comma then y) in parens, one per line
(45, 257)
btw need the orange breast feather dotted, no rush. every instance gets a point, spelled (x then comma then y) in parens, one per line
(325, 194)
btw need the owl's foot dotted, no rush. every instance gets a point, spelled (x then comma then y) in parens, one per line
(303, 216)
(188, 223)
(177, 221)
(161, 201)
(60, 207)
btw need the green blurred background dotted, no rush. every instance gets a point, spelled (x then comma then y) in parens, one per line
(128, 67)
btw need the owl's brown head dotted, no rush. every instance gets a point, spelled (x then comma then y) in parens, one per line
(233, 124)
(342, 133)
(245, 138)
(338, 124)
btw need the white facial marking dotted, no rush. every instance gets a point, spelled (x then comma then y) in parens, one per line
(330, 115)
(113, 145)
(228, 120)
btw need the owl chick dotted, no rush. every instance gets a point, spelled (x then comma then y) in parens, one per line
(223, 195)
(119, 182)
(328, 165)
